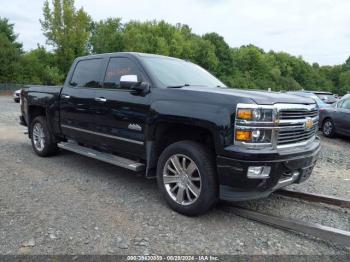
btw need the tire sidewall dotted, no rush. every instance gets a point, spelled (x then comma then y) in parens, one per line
(48, 141)
(333, 128)
(209, 187)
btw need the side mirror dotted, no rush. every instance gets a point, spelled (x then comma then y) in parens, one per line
(131, 82)
(128, 81)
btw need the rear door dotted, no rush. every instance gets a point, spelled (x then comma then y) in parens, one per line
(343, 117)
(122, 113)
(78, 112)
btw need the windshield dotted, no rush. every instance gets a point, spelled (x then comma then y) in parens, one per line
(175, 72)
(327, 97)
(319, 102)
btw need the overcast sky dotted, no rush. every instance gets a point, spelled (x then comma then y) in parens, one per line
(318, 30)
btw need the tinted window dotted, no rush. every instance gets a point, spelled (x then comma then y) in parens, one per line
(87, 73)
(345, 104)
(118, 67)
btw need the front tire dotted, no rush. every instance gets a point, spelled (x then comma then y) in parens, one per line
(187, 179)
(42, 141)
(328, 128)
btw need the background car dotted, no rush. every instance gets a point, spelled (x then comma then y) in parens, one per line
(17, 96)
(326, 97)
(318, 100)
(336, 118)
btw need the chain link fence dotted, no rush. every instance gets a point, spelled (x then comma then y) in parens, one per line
(9, 88)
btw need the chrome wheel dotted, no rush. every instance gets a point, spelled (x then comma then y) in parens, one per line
(328, 128)
(182, 179)
(38, 136)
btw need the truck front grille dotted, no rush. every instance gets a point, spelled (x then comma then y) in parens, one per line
(298, 113)
(295, 125)
(296, 134)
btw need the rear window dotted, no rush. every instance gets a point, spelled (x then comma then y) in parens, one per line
(87, 73)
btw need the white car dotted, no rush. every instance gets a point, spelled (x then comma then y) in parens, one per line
(17, 96)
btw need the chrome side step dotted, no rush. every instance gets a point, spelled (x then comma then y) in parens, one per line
(105, 157)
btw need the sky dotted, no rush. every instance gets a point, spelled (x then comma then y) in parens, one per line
(317, 30)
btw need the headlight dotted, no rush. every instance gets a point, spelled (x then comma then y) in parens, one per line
(254, 125)
(255, 114)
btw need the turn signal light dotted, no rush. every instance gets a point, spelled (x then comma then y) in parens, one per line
(245, 114)
(243, 135)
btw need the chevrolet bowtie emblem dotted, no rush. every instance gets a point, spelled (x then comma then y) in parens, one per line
(309, 123)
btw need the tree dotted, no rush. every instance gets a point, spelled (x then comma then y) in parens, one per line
(7, 30)
(9, 60)
(10, 52)
(107, 36)
(344, 83)
(67, 30)
(347, 63)
(222, 52)
(38, 67)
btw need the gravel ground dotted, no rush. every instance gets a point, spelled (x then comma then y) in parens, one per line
(69, 204)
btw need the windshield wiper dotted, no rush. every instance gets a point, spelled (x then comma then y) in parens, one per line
(178, 86)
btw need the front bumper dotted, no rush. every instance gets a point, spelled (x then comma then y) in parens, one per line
(293, 165)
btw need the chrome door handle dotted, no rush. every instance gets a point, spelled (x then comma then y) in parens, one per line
(100, 99)
(65, 96)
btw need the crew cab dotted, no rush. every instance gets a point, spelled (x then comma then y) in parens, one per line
(172, 120)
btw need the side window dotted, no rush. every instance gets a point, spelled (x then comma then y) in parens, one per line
(118, 67)
(345, 104)
(87, 73)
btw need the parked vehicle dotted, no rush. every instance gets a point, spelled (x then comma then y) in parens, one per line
(336, 119)
(17, 96)
(326, 97)
(318, 100)
(173, 120)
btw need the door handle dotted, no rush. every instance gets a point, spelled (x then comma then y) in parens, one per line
(65, 96)
(100, 99)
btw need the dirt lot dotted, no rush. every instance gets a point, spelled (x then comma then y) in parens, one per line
(70, 204)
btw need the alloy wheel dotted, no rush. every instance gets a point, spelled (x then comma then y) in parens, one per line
(328, 128)
(182, 179)
(38, 136)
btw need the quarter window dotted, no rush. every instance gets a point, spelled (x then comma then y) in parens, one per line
(87, 73)
(118, 67)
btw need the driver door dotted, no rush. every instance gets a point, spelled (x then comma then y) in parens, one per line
(122, 113)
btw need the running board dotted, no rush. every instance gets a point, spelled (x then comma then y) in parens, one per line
(105, 157)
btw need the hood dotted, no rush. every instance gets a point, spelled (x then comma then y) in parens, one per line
(259, 97)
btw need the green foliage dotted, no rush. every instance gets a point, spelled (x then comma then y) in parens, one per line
(38, 67)
(107, 36)
(10, 52)
(9, 60)
(6, 29)
(67, 30)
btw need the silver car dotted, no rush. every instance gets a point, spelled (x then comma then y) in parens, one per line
(17, 95)
(336, 118)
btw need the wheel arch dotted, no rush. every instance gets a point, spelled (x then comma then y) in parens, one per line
(167, 133)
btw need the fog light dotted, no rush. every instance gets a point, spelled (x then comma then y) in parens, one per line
(243, 135)
(258, 172)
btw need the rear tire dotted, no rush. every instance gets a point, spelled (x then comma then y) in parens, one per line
(328, 128)
(190, 185)
(42, 141)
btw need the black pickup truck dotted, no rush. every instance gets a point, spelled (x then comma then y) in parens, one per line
(172, 120)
